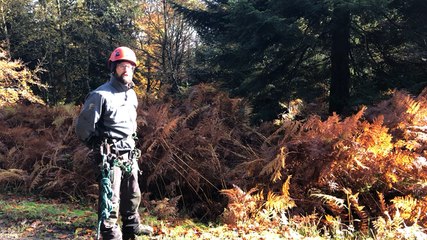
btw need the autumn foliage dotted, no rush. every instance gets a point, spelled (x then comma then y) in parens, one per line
(16, 81)
(199, 149)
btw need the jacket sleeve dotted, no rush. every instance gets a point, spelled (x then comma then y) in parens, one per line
(88, 118)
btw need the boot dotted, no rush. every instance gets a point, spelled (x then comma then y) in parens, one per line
(144, 230)
(138, 231)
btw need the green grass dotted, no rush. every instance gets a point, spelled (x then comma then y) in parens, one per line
(59, 215)
(41, 219)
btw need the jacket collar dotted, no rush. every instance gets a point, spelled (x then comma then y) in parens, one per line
(120, 86)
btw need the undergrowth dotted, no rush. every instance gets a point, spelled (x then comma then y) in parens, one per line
(360, 175)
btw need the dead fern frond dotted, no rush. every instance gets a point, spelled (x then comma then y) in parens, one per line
(275, 166)
(336, 204)
(192, 115)
(285, 187)
(413, 107)
(376, 138)
(363, 216)
(282, 202)
(169, 127)
(383, 205)
(406, 206)
(286, 131)
(37, 176)
(202, 94)
(13, 177)
(387, 227)
(241, 205)
(166, 208)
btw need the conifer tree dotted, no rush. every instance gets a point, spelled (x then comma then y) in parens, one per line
(276, 51)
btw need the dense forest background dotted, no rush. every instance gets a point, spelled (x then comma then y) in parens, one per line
(339, 53)
(320, 100)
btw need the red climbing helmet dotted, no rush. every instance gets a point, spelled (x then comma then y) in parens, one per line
(122, 54)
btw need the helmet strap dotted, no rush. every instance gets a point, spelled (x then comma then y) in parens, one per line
(113, 66)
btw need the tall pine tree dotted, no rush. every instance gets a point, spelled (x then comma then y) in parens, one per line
(275, 51)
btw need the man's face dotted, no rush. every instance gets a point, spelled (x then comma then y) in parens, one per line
(124, 72)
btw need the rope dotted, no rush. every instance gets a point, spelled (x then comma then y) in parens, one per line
(106, 193)
(106, 205)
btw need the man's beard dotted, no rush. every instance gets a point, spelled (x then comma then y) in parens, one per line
(120, 77)
(122, 80)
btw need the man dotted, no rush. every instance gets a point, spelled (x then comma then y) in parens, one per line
(107, 123)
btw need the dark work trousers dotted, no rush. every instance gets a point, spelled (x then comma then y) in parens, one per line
(126, 199)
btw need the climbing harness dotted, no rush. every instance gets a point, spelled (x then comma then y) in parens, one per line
(109, 160)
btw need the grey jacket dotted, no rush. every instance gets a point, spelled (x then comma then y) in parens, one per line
(109, 112)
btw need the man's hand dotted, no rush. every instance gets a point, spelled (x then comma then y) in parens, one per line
(94, 142)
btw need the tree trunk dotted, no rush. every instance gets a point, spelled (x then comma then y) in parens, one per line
(340, 51)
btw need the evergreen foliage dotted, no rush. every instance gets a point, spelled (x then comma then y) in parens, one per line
(270, 52)
(276, 51)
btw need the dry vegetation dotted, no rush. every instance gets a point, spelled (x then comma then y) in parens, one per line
(364, 173)
(16, 81)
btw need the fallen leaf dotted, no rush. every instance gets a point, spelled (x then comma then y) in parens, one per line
(36, 223)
